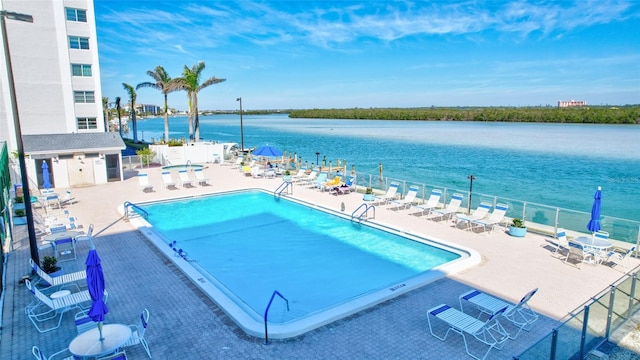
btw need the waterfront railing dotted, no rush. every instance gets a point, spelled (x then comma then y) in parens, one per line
(591, 324)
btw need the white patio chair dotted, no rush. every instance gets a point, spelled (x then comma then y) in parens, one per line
(167, 181)
(143, 183)
(64, 279)
(576, 249)
(449, 211)
(480, 213)
(408, 200)
(620, 258)
(389, 195)
(561, 240)
(184, 178)
(137, 332)
(87, 236)
(432, 203)
(202, 180)
(53, 307)
(63, 354)
(496, 217)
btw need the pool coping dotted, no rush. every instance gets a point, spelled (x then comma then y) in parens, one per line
(250, 325)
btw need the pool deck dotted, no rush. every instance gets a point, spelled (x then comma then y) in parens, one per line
(185, 323)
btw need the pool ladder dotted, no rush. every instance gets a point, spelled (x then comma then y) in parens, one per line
(266, 313)
(129, 205)
(286, 185)
(363, 213)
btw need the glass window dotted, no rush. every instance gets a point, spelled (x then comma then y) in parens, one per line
(82, 97)
(81, 70)
(76, 42)
(76, 15)
(87, 123)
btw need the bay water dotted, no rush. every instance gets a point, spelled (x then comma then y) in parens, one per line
(559, 165)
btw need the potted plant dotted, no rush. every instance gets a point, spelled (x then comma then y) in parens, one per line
(286, 176)
(50, 265)
(19, 216)
(517, 228)
(368, 195)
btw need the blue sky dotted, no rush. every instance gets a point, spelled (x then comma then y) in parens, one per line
(330, 54)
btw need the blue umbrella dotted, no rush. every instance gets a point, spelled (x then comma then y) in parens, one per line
(95, 285)
(594, 223)
(46, 181)
(267, 151)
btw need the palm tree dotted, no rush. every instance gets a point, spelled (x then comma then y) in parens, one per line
(190, 82)
(165, 84)
(118, 109)
(132, 96)
(105, 110)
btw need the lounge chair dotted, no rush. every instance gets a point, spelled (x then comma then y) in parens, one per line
(578, 250)
(432, 203)
(490, 333)
(389, 195)
(496, 217)
(309, 179)
(449, 211)
(68, 199)
(561, 240)
(520, 314)
(257, 172)
(346, 187)
(167, 181)
(319, 181)
(137, 332)
(184, 178)
(622, 258)
(63, 354)
(480, 213)
(143, 183)
(408, 200)
(64, 279)
(246, 170)
(301, 174)
(202, 180)
(331, 184)
(53, 307)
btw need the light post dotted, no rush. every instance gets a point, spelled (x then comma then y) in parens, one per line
(471, 178)
(317, 157)
(241, 130)
(33, 241)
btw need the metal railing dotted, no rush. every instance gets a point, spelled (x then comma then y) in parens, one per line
(590, 325)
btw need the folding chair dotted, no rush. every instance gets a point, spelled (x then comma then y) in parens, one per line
(137, 332)
(65, 248)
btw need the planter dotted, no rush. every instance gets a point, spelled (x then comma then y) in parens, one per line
(368, 197)
(517, 231)
(286, 178)
(19, 220)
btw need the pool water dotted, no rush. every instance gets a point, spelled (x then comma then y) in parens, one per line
(249, 245)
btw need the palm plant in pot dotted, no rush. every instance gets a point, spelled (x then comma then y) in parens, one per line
(50, 265)
(517, 228)
(286, 176)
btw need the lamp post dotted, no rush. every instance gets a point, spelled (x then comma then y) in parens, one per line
(241, 130)
(317, 157)
(471, 178)
(33, 241)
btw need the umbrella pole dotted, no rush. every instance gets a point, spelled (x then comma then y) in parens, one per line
(100, 330)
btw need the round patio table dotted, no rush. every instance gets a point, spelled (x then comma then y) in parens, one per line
(88, 343)
(596, 243)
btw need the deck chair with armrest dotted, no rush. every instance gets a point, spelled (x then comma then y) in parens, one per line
(480, 213)
(65, 279)
(616, 257)
(120, 355)
(447, 212)
(63, 354)
(65, 248)
(389, 195)
(320, 180)
(490, 332)
(48, 309)
(496, 217)
(407, 201)
(561, 241)
(308, 179)
(431, 204)
(167, 180)
(143, 183)
(202, 180)
(578, 250)
(137, 332)
(184, 178)
(520, 314)
(337, 180)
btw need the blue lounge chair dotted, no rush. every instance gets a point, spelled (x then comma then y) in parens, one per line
(520, 315)
(490, 333)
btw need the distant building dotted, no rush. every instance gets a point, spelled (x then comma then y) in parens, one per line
(571, 103)
(151, 109)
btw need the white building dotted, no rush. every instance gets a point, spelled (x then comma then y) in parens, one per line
(57, 81)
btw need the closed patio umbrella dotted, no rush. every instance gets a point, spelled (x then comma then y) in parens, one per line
(46, 179)
(594, 223)
(95, 285)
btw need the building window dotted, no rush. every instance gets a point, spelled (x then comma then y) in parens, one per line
(81, 70)
(87, 123)
(76, 42)
(78, 15)
(84, 97)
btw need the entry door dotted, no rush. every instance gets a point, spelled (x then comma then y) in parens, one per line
(80, 171)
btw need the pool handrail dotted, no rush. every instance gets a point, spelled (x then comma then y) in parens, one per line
(364, 212)
(128, 204)
(266, 313)
(282, 187)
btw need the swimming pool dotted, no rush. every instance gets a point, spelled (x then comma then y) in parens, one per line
(245, 245)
